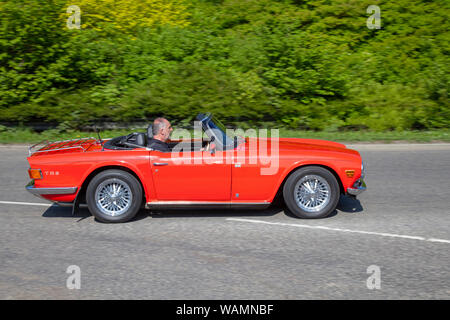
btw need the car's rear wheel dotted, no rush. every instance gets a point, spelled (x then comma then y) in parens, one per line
(311, 192)
(114, 196)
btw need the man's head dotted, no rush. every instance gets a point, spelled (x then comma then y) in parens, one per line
(161, 129)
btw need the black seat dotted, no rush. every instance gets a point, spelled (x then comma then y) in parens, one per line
(141, 139)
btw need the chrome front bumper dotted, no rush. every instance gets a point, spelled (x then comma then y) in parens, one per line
(358, 187)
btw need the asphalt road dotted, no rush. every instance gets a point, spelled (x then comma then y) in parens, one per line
(401, 225)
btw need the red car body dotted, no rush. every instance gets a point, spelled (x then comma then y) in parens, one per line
(67, 167)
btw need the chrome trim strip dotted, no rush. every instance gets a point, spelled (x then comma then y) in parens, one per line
(363, 170)
(34, 145)
(358, 187)
(204, 204)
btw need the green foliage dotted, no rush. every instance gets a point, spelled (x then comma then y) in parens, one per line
(311, 65)
(126, 16)
(32, 50)
(187, 89)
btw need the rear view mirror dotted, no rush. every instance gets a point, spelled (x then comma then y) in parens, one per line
(212, 148)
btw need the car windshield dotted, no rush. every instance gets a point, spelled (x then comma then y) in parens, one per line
(215, 129)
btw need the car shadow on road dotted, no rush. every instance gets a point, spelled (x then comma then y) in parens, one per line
(204, 213)
(349, 205)
(346, 204)
(56, 211)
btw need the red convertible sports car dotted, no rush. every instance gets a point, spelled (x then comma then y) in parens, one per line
(118, 176)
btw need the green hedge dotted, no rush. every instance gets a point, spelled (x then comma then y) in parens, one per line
(299, 64)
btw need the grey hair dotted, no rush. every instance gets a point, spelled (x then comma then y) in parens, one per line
(158, 124)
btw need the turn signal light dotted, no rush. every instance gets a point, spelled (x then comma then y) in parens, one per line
(350, 173)
(35, 174)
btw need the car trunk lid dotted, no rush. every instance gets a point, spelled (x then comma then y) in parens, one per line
(66, 146)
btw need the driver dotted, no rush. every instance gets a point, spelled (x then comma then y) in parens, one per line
(161, 131)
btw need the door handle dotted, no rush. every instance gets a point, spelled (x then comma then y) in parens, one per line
(160, 163)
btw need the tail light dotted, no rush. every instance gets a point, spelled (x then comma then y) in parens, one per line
(35, 174)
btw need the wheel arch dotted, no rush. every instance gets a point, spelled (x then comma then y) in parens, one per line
(97, 170)
(279, 192)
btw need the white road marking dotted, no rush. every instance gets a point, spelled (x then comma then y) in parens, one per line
(27, 203)
(439, 240)
(392, 235)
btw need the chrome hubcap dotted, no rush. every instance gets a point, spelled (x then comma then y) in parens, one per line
(312, 193)
(113, 197)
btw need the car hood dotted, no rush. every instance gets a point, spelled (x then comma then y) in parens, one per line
(301, 143)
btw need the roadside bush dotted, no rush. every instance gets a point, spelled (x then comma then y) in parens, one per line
(310, 65)
(187, 89)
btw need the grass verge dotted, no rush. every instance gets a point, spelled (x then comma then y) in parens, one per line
(27, 136)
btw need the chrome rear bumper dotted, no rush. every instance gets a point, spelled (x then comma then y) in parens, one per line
(57, 190)
(358, 187)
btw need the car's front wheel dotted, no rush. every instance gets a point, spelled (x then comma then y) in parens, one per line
(311, 192)
(114, 196)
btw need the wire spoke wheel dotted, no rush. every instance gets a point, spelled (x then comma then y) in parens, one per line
(113, 197)
(312, 193)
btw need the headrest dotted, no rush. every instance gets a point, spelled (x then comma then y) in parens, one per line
(150, 132)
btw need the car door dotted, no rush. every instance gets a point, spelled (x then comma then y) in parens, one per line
(191, 176)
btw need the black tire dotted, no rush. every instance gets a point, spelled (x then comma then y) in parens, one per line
(328, 206)
(115, 176)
